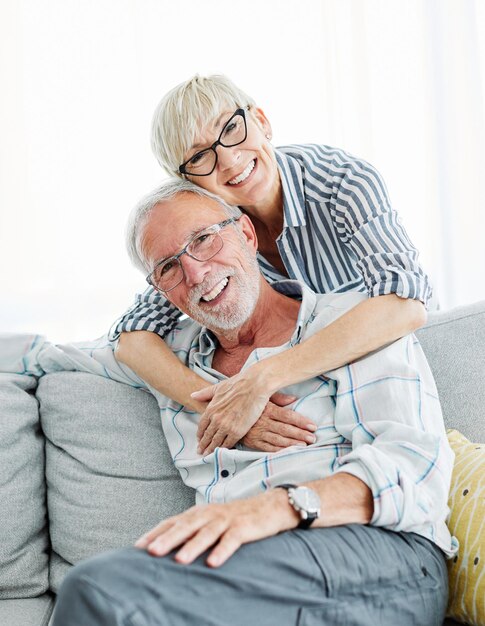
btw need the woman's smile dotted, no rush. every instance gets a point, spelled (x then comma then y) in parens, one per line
(243, 177)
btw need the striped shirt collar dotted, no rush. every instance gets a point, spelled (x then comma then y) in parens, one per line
(291, 175)
(291, 288)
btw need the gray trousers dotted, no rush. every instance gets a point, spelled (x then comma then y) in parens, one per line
(348, 575)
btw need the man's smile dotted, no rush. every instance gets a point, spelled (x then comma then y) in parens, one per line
(218, 288)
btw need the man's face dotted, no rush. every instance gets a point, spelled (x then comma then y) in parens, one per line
(220, 293)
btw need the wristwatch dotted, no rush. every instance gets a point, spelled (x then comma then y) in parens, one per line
(305, 501)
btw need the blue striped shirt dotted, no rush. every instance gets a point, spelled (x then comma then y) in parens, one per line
(378, 419)
(339, 234)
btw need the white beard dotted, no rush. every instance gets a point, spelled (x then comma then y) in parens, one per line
(233, 314)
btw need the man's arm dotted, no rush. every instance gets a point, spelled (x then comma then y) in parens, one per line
(344, 500)
(397, 475)
(33, 355)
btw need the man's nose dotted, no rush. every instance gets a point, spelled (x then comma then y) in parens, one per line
(195, 271)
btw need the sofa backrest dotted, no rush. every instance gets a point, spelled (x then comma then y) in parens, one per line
(454, 344)
(109, 472)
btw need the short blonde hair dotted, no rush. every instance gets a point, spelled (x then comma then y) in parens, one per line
(187, 107)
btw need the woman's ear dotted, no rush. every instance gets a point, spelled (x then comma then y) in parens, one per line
(262, 122)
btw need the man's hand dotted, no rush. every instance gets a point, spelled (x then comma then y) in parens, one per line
(224, 526)
(236, 404)
(279, 428)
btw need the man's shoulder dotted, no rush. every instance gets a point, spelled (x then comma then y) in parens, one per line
(331, 306)
(318, 310)
(183, 334)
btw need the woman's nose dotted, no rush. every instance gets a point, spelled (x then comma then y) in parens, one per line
(227, 157)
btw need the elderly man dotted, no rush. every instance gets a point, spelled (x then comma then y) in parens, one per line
(349, 529)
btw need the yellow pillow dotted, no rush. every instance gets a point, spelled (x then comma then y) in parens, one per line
(466, 571)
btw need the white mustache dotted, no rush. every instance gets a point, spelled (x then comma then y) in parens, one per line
(208, 284)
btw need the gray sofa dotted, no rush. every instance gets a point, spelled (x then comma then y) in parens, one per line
(85, 468)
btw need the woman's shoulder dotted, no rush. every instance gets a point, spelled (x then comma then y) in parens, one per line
(314, 153)
(324, 164)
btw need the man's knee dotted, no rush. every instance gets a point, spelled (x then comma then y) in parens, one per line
(101, 589)
(106, 570)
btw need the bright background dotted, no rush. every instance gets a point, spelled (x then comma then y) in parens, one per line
(397, 83)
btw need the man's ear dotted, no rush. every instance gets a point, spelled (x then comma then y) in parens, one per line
(248, 231)
(262, 122)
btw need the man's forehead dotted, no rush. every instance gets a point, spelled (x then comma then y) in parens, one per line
(173, 221)
(189, 210)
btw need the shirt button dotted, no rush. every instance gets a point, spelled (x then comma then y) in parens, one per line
(224, 473)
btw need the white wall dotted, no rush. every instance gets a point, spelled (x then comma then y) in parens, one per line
(79, 82)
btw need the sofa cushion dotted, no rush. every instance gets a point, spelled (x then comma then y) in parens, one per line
(24, 544)
(467, 523)
(454, 345)
(27, 611)
(110, 476)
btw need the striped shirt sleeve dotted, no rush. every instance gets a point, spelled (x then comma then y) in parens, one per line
(367, 224)
(150, 311)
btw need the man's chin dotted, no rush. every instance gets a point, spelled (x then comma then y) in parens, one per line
(218, 321)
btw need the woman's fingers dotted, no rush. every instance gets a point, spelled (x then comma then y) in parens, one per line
(210, 441)
(204, 395)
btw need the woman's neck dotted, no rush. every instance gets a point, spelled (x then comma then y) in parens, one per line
(269, 212)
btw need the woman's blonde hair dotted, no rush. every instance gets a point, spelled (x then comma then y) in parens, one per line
(185, 109)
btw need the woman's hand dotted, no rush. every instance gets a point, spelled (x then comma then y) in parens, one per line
(239, 408)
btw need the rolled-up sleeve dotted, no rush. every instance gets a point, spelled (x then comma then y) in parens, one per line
(151, 312)
(33, 355)
(387, 406)
(373, 231)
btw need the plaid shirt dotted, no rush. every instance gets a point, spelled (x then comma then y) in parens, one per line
(378, 418)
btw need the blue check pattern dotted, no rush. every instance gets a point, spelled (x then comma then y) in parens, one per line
(378, 418)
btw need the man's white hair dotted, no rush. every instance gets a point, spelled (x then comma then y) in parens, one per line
(140, 214)
(185, 110)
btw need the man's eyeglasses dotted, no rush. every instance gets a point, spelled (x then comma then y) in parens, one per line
(169, 273)
(203, 163)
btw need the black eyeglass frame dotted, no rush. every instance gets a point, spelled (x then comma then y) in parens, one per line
(218, 142)
(176, 257)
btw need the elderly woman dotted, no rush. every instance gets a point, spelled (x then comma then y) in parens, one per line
(321, 216)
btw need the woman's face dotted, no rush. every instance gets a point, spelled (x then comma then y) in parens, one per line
(247, 174)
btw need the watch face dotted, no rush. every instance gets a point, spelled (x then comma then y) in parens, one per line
(306, 499)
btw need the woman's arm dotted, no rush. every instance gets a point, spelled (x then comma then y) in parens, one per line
(366, 224)
(149, 356)
(370, 325)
